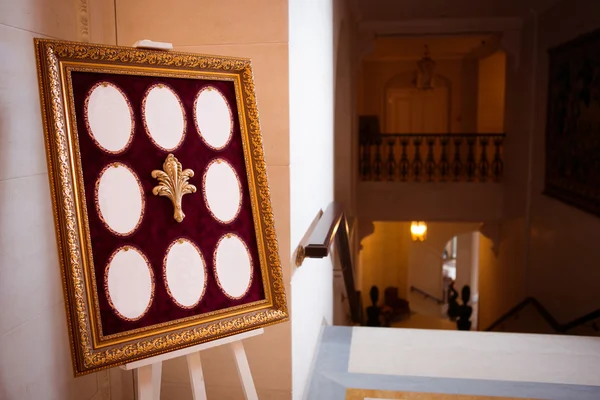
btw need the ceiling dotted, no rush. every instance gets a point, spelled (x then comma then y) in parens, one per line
(440, 47)
(399, 10)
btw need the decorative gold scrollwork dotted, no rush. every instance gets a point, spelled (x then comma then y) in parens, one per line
(83, 315)
(173, 183)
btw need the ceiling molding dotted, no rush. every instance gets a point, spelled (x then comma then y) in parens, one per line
(442, 26)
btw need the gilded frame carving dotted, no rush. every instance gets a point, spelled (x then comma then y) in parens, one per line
(90, 350)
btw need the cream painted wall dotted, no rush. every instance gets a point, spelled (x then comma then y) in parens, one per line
(469, 94)
(345, 123)
(491, 291)
(376, 74)
(317, 31)
(34, 344)
(502, 277)
(449, 201)
(384, 259)
(464, 260)
(491, 87)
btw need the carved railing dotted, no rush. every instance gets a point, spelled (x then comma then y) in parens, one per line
(456, 157)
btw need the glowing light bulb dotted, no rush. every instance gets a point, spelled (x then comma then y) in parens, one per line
(418, 230)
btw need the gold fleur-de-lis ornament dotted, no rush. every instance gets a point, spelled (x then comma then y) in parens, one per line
(173, 184)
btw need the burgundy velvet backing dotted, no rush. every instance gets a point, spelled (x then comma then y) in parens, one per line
(158, 228)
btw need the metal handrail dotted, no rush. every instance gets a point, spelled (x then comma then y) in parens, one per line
(427, 295)
(333, 225)
(556, 326)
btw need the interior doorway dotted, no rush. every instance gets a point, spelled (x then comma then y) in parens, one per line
(409, 110)
(460, 266)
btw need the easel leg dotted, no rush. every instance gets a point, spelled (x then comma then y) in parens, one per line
(244, 370)
(148, 381)
(196, 376)
(156, 378)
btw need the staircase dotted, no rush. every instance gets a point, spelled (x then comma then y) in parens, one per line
(387, 363)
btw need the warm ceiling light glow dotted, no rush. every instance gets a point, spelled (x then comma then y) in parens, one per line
(418, 230)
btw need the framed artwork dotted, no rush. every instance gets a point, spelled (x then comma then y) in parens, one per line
(573, 124)
(161, 202)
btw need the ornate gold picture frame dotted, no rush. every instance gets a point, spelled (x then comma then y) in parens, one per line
(176, 216)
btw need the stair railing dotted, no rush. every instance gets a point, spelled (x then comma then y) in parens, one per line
(333, 225)
(426, 295)
(556, 326)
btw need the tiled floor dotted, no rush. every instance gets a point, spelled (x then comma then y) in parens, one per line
(389, 360)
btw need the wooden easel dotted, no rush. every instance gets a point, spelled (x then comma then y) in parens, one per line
(149, 370)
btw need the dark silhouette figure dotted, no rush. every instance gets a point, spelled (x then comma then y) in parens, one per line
(463, 323)
(373, 311)
(453, 305)
(395, 308)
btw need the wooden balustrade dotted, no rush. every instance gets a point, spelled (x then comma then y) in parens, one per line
(432, 157)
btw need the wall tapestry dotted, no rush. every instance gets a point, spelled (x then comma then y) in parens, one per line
(161, 202)
(573, 124)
